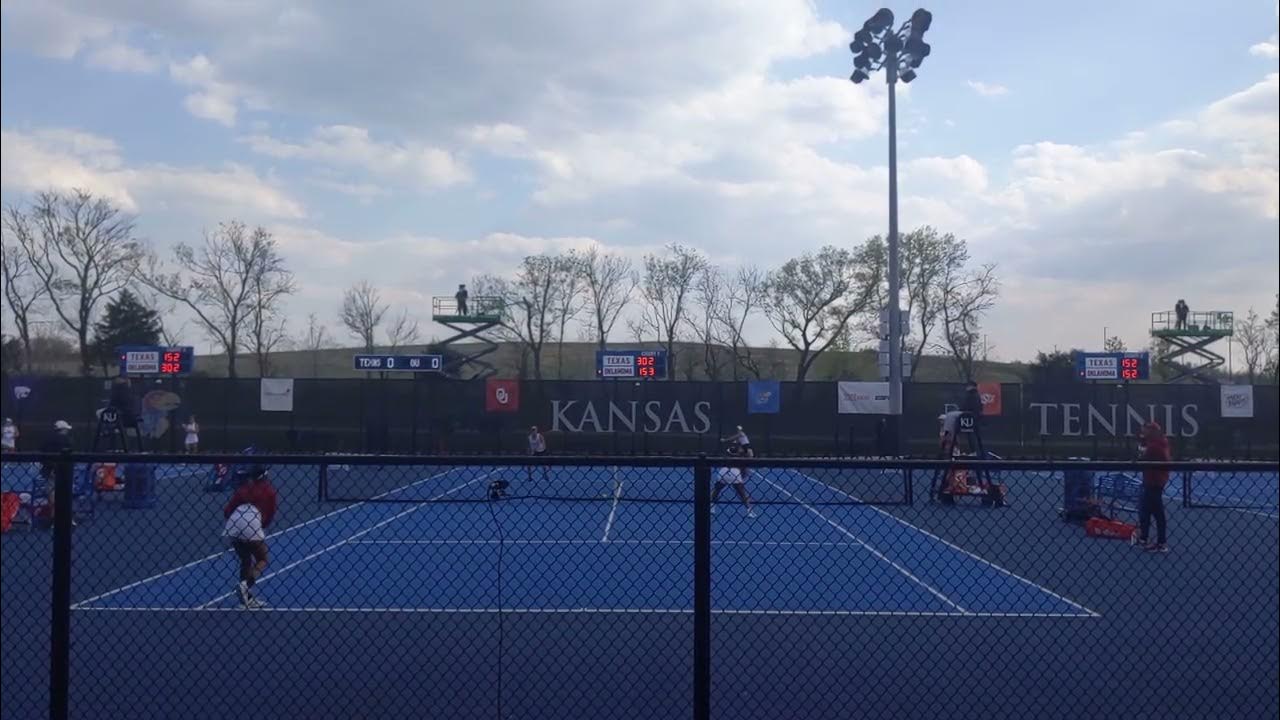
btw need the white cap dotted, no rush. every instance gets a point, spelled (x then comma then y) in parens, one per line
(62, 425)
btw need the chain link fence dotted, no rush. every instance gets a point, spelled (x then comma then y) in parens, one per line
(432, 415)
(624, 587)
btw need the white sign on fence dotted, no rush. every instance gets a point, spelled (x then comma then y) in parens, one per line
(1237, 401)
(276, 394)
(862, 398)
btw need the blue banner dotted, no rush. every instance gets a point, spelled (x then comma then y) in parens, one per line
(764, 397)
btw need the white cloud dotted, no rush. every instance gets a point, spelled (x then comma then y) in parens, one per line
(1270, 48)
(987, 89)
(50, 29)
(214, 99)
(65, 159)
(422, 166)
(122, 57)
(960, 174)
(678, 124)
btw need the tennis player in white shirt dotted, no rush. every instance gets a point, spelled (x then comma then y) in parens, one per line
(732, 477)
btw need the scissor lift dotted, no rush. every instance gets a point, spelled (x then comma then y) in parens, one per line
(483, 314)
(1186, 351)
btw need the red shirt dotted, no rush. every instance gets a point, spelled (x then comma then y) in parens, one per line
(1157, 450)
(258, 493)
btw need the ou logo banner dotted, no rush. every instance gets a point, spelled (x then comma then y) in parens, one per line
(502, 396)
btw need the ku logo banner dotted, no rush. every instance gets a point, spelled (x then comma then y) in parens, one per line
(764, 397)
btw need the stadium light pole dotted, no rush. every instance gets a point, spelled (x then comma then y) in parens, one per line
(877, 45)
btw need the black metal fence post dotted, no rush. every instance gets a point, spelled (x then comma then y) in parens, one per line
(702, 589)
(60, 627)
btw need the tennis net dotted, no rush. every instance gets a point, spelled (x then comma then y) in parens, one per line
(674, 484)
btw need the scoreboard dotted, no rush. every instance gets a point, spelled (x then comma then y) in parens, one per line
(136, 360)
(1115, 367)
(632, 364)
(398, 363)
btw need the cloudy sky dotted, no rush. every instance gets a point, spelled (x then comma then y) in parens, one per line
(1110, 157)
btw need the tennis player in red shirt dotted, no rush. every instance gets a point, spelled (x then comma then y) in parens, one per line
(1154, 448)
(248, 514)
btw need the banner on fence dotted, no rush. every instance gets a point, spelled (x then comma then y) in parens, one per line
(276, 394)
(1237, 401)
(502, 396)
(764, 397)
(863, 398)
(992, 403)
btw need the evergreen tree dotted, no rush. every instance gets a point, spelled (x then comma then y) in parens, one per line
(1055, 368)
(126, 322)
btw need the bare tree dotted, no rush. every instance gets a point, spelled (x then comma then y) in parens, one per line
(1254, 340)
(609, 284)
(362, 312)
(967, 296)
(268, 335)
(811, 300)
(530, 302)
(704, 321)
(637, 329)
(315, 339)
(22, 292)
(665, 288)
(1114, 344)
(81, 250)
(171, 330)
(1273, 349)
(219, 281)
(927, 258)
(570, 298)
(402, 330)
(742, 299)
(266, 318)
(171, 334)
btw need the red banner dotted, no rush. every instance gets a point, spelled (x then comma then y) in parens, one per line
(501, 395)
(990, 393)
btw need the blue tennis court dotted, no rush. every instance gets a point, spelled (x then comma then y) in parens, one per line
(612, 558)
(576, 593)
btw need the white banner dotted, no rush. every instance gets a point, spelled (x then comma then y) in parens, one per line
(863, 398)
(277, 394)
(1237, 401)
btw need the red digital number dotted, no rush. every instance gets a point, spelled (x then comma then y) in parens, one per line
(646, 372)
(644, 361)
(1129, 374)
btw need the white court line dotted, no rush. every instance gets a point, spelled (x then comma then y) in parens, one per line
(870, 549)
(1252, 512)
(415, 508)
(953, 546)
(594, 611)
(193, 563)
(613, 511)
(759, 543)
